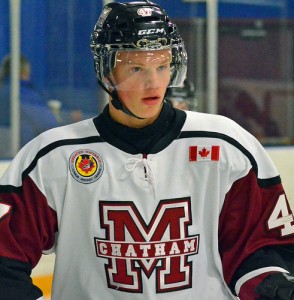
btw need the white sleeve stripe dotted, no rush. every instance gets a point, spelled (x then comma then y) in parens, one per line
(255, 273)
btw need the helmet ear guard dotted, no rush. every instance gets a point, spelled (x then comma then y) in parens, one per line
(178, 66)
(104, 62)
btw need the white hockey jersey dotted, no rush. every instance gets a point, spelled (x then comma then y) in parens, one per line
(175, 224)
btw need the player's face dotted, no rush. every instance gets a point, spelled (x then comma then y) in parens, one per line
(141, 79)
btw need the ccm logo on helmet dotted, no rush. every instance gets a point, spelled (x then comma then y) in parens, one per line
(144, 12)
(151, 31)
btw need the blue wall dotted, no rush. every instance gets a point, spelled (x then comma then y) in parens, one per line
(4, 27)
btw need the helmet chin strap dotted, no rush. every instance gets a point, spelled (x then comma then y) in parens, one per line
(117, 103)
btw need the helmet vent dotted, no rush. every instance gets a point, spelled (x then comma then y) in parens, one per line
(146, 19)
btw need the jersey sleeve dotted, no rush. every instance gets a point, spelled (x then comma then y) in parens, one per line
(27, 225)
(256, 219)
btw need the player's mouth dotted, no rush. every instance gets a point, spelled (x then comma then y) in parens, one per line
(152, 100)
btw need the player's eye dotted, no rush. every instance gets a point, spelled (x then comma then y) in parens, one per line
(163, 67)
(135, 69)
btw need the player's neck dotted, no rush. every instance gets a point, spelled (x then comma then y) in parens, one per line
(124, 119)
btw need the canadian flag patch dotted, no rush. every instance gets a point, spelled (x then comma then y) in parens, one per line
(204, 153)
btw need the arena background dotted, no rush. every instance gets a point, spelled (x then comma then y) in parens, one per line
(251, 51)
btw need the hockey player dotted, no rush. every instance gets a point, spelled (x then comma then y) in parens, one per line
(145, 201)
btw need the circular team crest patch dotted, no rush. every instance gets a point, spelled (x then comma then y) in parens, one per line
(86, 166)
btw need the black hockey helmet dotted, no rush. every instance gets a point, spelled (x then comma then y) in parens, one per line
(140, 26)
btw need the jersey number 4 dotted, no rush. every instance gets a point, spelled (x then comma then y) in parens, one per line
(282, 217)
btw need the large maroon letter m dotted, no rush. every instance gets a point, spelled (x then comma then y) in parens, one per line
(132, 246)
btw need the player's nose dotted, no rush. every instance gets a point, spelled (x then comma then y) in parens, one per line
(151, 79)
